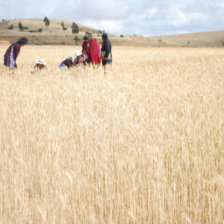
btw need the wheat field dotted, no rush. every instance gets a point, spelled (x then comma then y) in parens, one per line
(141, 142)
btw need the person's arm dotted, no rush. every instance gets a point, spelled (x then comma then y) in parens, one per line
(10, 52)
(62, 65)
(86, 51)
(84, 56)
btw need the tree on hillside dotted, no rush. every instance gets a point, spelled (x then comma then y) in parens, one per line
(75, 28)
(20, 25)
(63, 26)
(46, 21)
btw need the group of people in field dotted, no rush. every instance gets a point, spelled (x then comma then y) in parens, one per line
(91, 53)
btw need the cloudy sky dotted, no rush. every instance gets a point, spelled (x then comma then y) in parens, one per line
(144, 17)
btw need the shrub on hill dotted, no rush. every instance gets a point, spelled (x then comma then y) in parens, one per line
(76, 39)
(88, 33)
(63, 26)
(99, 31)
(11, 27)
(46, 21)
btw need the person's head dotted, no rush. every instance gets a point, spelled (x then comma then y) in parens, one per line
(41, 64)
(87, 38)
(104, 36)
(69, 60)
(78, 53)
(22, 41)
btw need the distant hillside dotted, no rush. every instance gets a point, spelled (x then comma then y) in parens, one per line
(38, 33)
(203, 39)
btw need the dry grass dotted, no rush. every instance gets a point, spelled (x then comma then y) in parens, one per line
(140, 144)
(203, 39)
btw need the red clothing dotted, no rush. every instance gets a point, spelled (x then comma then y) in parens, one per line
(93, 51)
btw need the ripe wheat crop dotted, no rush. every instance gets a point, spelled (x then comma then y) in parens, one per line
(141, 142)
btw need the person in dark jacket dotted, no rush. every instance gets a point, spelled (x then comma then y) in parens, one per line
(106, 50)
(13, 51)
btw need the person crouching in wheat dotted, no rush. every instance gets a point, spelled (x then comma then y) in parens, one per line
(81, 58)
(68, 62)
(13, 52)
(40, 64)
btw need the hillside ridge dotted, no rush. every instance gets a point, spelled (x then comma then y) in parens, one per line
(54, 34)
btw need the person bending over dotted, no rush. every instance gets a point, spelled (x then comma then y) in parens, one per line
(68, 62)
(40, 64)
(13, 52)
(81, 58)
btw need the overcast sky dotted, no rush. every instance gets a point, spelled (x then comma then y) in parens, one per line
(144, 17)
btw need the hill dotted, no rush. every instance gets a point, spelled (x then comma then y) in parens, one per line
(54, 33)
(39, 34)
(202, 39)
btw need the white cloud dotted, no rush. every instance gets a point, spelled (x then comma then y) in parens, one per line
(125, 16)
(96, 10)
(220, 4)
(106, 25)
(148, 14)
(176, 17)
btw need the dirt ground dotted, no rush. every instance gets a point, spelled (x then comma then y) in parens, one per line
(4, 42)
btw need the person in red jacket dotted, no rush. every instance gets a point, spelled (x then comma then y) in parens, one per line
(92, 49)
(13, 51)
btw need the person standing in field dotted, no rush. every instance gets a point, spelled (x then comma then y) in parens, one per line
(106, 50)
(13, 52)
(92, 49)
